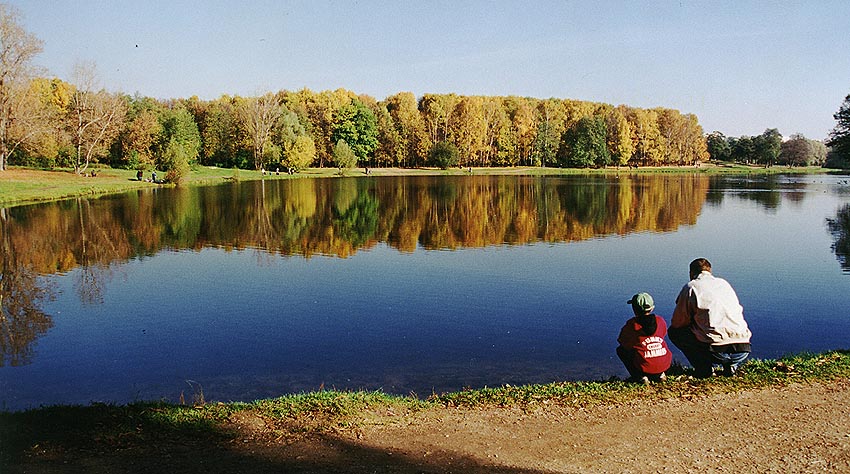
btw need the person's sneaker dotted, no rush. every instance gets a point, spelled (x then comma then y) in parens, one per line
(662, 377)
(642, 380)
(729, 370)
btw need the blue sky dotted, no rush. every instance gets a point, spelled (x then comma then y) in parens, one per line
(740, 66)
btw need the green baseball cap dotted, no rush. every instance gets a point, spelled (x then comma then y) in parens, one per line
(642, 302)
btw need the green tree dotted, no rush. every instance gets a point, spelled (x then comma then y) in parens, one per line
(718, 146)
(344, 156)
(322, 114)
(179, 127)
(839, 138)
(180, 145)
(356, 126)
(585, 144)
(767, 146)
(800, 151)
(443, 155)
(742, 149)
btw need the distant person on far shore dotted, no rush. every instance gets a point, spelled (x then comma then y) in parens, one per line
(708, 323)
(642, 348)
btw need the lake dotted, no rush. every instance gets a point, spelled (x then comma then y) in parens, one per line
(419, 285)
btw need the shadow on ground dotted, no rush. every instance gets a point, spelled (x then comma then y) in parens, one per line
(134, 439)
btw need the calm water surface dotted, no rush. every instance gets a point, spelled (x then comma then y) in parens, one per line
(428, 284)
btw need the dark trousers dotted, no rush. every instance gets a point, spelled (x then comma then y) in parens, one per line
(700, 355)
(627, 356)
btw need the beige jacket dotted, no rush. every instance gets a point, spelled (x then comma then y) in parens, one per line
(710, 307)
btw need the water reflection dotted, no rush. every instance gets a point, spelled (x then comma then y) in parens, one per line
(766, 190)
(307, 217)
(840, 229)
(22, 319)
(339, 217)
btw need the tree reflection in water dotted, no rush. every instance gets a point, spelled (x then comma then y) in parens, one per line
(840, 229)
(308, 216)
(22, 320)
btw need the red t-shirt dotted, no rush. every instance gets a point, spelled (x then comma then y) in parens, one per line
(652, 355)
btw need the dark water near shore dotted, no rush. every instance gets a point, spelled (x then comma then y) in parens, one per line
(427, 284)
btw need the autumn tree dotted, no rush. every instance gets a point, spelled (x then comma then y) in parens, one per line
(523, 128)
(391, 147)
(409, 123)
(619, 140)
(260, 114)
(300, 154)
(17, 50)
(692, 146)
(467, 129)
(138, 140)
(495, 120)
(224, 136)
(436, 110)
(36, 138)
(646, 136)
(671, 128)
(95, 117)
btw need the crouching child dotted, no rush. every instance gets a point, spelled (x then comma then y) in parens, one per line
(643, 348)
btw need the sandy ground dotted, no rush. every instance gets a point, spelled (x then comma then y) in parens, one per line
(802, 428)
(797, 429)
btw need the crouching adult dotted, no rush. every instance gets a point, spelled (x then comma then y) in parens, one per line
(708, 323)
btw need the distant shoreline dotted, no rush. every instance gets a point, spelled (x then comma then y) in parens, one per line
(20, 186)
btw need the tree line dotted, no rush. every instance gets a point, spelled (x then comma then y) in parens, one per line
(767, 149)
(298, 129)
(48, 122)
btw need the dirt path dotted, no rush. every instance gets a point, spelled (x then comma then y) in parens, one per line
(802, 428)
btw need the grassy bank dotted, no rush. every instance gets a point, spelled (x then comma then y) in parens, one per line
(24, 185)
(139, 427)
